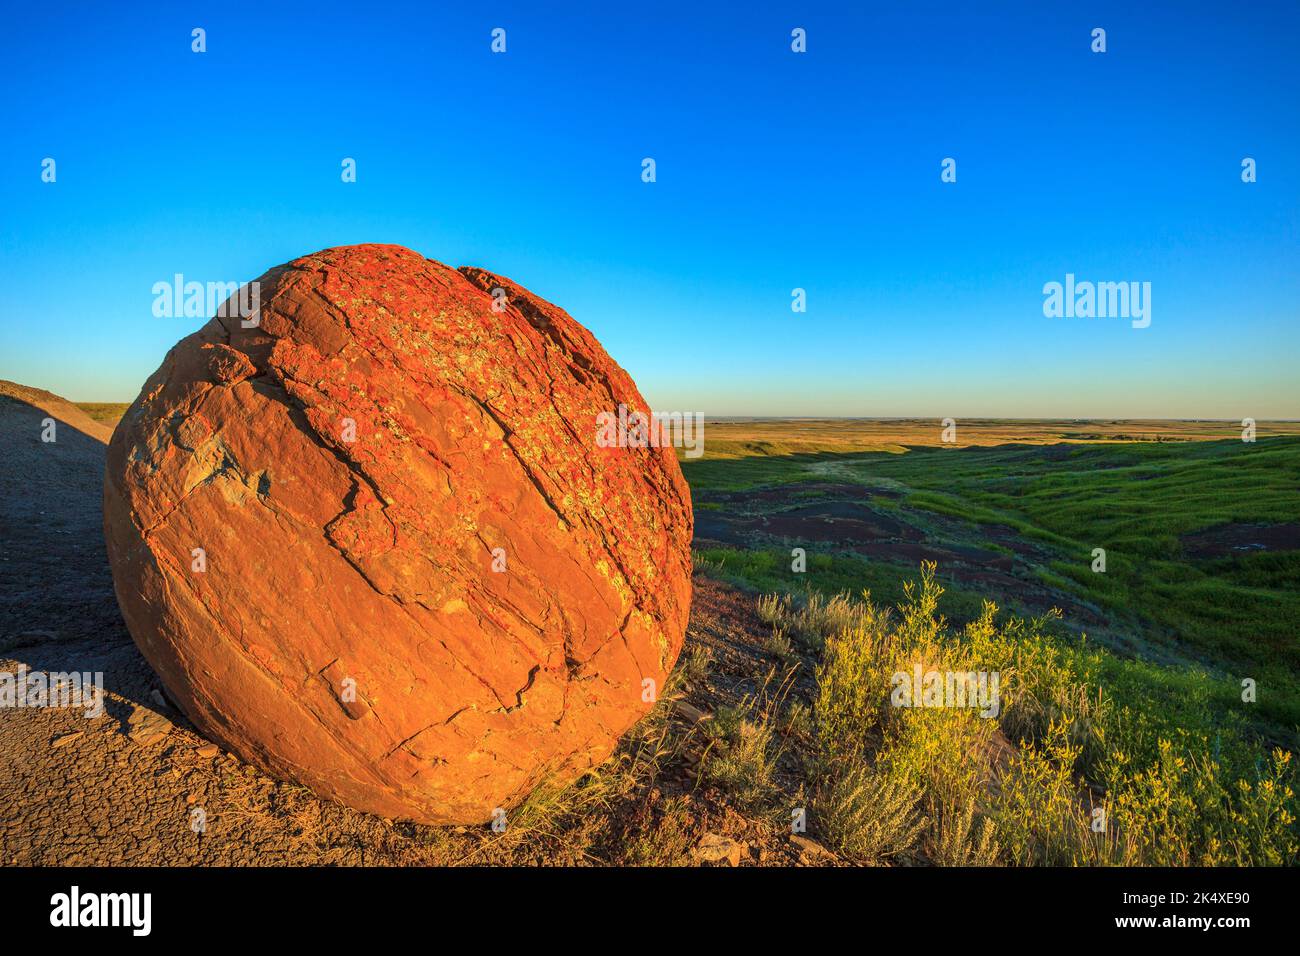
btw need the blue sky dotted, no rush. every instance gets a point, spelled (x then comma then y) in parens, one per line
(775, 170)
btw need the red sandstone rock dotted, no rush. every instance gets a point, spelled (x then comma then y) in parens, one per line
(349, 632)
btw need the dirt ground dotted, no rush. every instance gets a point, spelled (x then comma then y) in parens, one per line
(1237, 537)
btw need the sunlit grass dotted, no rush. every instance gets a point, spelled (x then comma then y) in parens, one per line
(1081, 765)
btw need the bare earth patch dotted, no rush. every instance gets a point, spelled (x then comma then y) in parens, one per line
(1227, 540)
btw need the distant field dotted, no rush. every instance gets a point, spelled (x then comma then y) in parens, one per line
(106, 413)
(741, 438)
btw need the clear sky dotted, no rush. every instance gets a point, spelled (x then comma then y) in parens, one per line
(775, 170)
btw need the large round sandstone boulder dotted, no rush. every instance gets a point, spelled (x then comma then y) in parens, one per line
(373, 546)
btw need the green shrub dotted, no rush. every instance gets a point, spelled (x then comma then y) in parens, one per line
(866, 815)
(1103, 760)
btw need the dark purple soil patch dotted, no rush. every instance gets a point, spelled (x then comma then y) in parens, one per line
(1034, 598)
(835, 510)
(837, 522)
(798, 491)
(711, 526)
(1229, 540)
(1010, 538)
(912, 554)
(982, 557)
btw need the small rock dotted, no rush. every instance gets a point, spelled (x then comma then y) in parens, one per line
(693, 714)
(145, 727)
(713, 848)
(208, 750)
(67, 738)
(810, 847)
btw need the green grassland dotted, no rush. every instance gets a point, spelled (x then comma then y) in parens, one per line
(1238, 610)
(1145, 663)
(1136, 501)
(106, 413)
